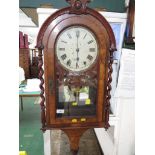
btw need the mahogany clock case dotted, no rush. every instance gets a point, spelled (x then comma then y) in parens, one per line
(54, 73)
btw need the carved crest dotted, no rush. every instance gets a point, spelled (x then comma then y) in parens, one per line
(78, 6)
(97, 77)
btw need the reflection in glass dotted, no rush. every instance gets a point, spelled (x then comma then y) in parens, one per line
(76, 101)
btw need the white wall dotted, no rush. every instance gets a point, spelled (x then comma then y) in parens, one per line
(120, 137)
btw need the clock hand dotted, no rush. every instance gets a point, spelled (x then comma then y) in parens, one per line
(77, 59)
(77, 49)
(77, 35)
(77, 66)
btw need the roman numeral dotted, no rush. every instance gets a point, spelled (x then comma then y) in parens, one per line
(61, 49)
(77, 33)
(92, 50)
(70, 37)
(90, 41)
(89, 57)
(69, 62)
(64, 56)
(64, 41)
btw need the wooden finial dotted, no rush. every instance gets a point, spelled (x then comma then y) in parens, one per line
(78, 6)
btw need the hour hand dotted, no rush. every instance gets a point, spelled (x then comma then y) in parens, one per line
(77, 66)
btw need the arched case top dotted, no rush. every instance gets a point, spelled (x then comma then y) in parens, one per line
(69, 11)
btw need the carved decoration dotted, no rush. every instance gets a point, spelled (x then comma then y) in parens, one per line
(41, 72)
(108, 88)
(78, 6)
(87, 78)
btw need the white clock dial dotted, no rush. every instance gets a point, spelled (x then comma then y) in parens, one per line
(76, 48)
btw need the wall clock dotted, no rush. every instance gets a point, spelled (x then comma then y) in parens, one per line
(76, 46)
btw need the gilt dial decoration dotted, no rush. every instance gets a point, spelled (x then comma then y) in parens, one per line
(76, 48)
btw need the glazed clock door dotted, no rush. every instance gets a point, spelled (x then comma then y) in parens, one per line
(76, 51)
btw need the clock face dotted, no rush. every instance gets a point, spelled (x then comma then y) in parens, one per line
(76, 48)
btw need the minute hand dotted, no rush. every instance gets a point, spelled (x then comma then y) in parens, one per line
(77, 49)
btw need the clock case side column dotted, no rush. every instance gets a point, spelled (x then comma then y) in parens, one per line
(108, 86)
(41, 72)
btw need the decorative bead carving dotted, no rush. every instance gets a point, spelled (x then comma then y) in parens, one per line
(41, 72)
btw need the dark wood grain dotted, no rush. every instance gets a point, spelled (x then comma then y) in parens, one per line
(24, 61)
